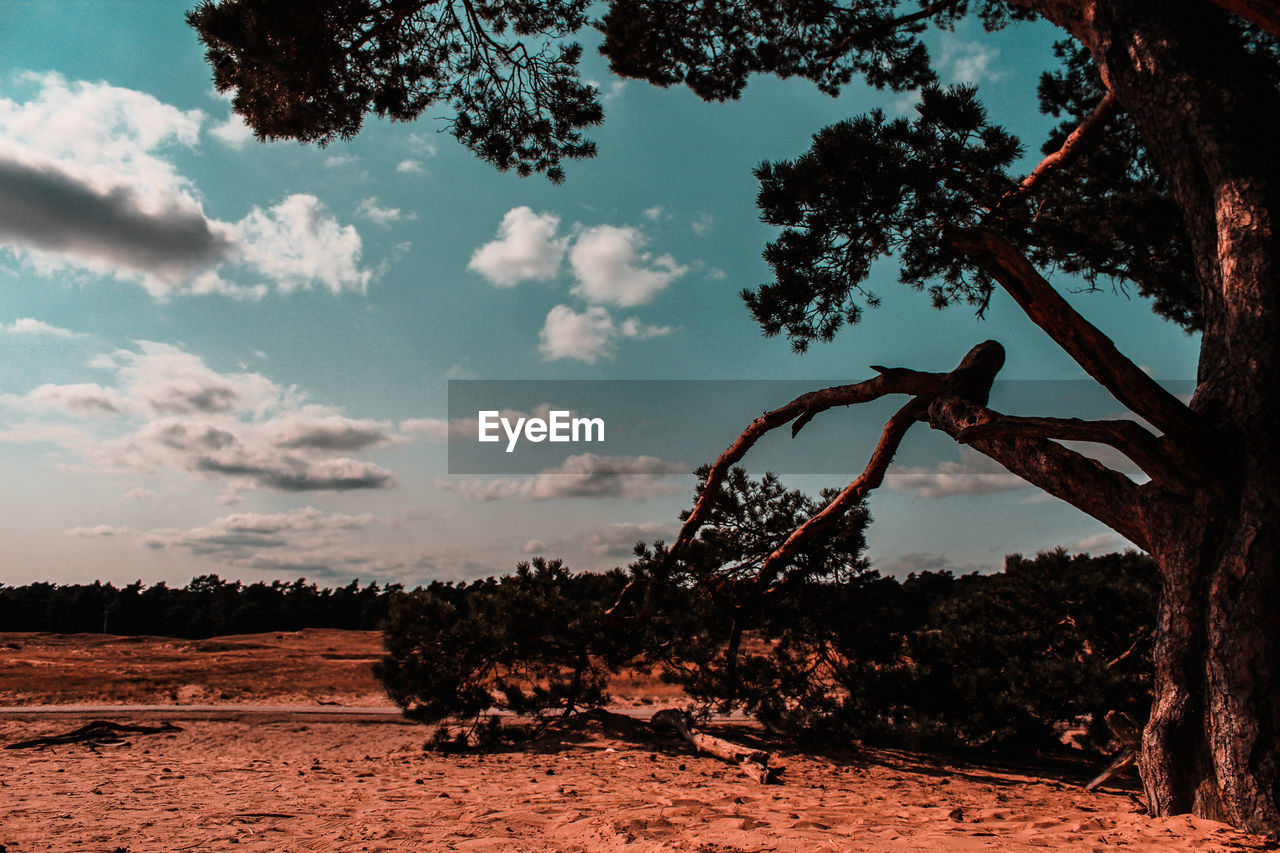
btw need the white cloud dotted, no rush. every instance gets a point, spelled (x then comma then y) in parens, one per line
(139, 494)
(85, 398)
(410, 167)
(85, 184)
(653, 213)
(619, 539)
(233, 132)
(703, 224)
(526, 248)
(590, 335)
(968, 61)
(586, 336)
(384, 216)
(611, 269)
(169, 411)
(974, 474)
(583, 476)
(339, 161)
(295, 244)
(29, 326)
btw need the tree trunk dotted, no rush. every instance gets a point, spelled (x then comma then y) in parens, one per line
(1210, 746)
(1207, 110)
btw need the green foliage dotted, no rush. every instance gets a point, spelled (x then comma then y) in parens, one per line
(309, 70)
(529, 643)
(871, 187)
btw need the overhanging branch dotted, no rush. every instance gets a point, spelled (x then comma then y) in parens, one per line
(802, 409)
(1085, 483)
(872, 476)
(1126, 436)
(1090, 348)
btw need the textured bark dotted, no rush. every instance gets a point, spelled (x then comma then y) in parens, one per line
(1207, 116)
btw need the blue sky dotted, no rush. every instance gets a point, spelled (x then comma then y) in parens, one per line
(218, 355)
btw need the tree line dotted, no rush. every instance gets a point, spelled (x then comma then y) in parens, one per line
(207, 606)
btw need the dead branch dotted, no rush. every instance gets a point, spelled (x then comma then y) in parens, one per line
(753, 762)
(1075, 142)
(1128, 735)
(1091, 349)
(870, 478)
(96, 733)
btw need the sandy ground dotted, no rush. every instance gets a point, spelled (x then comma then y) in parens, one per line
(266, 785)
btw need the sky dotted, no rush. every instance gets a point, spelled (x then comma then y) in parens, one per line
(225, 356)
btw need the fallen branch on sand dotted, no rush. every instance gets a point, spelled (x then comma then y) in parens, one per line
(753, 762)
(1128, 735)
(96, 733)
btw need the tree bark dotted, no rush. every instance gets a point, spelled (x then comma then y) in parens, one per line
(1206, 111)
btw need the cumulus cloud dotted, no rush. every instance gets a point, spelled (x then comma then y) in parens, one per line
(590, 335)
(974, 474)
(295, 243)
(169, 411)
(327, 432)
(30, 326)
(410, 167)
(619, 539)
(85, 184)
(611, 270)
(583, 476)
(526, 248)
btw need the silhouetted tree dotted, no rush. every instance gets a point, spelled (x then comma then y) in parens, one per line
(1162, 176)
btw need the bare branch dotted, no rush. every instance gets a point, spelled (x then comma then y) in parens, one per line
(1085, 483)
(1085, 133)
(1091, 349)
(1126, 436)
(870, 478)
(804, 407)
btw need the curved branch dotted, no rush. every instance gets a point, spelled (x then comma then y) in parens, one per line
(870, 478)
(1090, 348)
(1085, 483)
(1128, 437)
(803, 408)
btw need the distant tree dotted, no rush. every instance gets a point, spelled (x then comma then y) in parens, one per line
(1162, 176)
